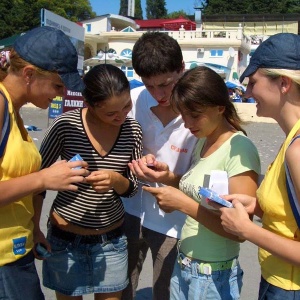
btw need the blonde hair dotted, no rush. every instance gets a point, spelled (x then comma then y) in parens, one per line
(16, 63)
(274, 73)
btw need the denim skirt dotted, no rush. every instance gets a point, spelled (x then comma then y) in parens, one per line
(79, 265)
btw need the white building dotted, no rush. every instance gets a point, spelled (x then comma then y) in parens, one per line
(225, 51)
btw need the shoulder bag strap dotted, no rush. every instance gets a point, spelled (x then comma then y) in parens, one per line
(291, 191)
(5, 127)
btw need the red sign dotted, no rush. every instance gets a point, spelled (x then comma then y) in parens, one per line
(72, 100)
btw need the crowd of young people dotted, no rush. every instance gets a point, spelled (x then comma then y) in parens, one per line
(172, 134)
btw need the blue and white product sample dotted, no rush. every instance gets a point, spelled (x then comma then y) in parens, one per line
(42, 251)
(213, 196)
(75, 158)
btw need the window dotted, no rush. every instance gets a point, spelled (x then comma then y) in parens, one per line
(126, 53)
(216, 53)
(128, 71)
(111, 50)
(88, 27)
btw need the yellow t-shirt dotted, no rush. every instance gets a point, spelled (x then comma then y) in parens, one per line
(20, 157)
(278, 218)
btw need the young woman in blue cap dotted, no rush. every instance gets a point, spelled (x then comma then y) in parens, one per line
(274, 82)
(38, 72)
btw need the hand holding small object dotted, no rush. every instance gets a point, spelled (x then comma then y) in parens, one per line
(213, 196)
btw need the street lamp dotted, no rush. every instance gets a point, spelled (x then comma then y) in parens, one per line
(102, 53)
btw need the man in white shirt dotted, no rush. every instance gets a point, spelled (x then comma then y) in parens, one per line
(158, 60)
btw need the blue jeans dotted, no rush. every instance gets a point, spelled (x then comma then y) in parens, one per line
(77, 268)
(20, 281)
(188, 284)
(267, 291)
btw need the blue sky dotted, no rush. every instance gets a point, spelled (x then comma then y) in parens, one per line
(102, 7)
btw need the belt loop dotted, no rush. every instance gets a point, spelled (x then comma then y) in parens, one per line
(204, 268)
(179, 259)
(183, 260)
(186, 262)
(178, 253)
(234, 263)
(104, 237)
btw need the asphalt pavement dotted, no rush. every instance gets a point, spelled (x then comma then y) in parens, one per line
(266, 136)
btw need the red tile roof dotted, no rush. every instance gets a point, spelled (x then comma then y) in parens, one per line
(169, 24)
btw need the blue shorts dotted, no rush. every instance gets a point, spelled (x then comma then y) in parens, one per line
(19, 280)
(79, 266)
(267, 291)
(188, 283)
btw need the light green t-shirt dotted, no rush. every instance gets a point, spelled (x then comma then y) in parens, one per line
(237, 155)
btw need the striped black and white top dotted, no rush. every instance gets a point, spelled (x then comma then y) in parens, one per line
(65, 138)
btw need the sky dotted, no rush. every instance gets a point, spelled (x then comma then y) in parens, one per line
(102, 7)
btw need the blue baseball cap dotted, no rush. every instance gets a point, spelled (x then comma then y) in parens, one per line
(50, 49)
(279, 51)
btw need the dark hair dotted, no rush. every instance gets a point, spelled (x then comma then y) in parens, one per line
(103, 82)
(156, 53)
(202, 87)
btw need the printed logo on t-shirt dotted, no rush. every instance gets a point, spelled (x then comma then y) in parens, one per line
(177, 149)
(189, 189)
(19, 245)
